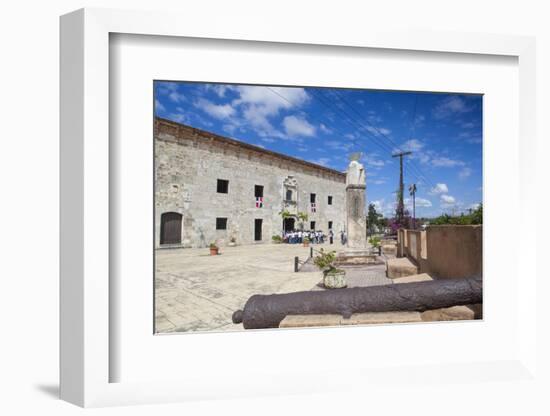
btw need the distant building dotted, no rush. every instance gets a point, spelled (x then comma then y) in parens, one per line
(212, 188)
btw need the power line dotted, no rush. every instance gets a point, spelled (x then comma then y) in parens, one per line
(412, 165)
(355, 124)
(352, 122)
(310, 115)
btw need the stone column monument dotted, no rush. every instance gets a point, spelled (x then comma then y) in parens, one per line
(356, 186)
(357, 249)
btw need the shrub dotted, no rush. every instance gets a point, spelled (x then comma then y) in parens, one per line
(375, 241)
(325, 261)
(277, 238)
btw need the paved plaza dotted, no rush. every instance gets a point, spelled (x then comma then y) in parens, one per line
(198, 292)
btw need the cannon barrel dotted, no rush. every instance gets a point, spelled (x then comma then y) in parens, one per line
(267, 311)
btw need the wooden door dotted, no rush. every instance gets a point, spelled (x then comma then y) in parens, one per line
(170, 228)
(257, 230)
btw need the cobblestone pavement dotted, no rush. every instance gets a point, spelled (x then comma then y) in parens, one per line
(374, 275)
(198, 292)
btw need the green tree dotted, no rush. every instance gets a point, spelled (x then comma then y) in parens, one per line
(474, 217)
(373, 218)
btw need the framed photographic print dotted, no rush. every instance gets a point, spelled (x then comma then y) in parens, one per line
(251, 215)
(282, 213)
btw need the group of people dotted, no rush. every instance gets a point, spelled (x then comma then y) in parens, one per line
(315, 237)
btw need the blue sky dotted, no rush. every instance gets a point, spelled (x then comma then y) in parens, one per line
(326, 125)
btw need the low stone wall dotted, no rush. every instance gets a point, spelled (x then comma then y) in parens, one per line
(454, 250)
(414, 244)
(444, 251)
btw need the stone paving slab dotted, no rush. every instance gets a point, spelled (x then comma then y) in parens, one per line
(198, 292)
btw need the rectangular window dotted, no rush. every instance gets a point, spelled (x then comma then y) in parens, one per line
(258, 191)
(330, 225)
(312, 198)
(312, 225)
(330, 200)
(223, 186)
(221, 223)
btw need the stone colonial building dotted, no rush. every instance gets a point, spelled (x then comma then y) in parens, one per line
(212, 188)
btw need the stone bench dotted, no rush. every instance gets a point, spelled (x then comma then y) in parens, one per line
(400, 267)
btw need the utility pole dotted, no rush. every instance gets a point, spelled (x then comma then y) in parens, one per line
(400, 212)
(412, 191)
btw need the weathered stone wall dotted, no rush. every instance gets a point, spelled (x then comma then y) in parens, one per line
(188, 163)
(454, 250)
(445, 251)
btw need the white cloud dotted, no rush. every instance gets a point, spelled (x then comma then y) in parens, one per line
(350, 136)
(439, 188)
(297, 126)
(446, 162)
(271, 98)
(325, 129)
(467, 125)
(259, 104)
(419, 202)
(383, 207)
(376, 163)
(473, 138)
(170, 89)
(378, 131)
(447, 201)
(219, 90)
(230, 128)
(464, 173)
(450, 105)
(219, 111)
(412, 145)
(371, 160)
(323, 161)
(158, 106)
(338, 145)
(178, 118)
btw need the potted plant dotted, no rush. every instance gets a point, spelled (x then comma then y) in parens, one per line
(305, 242)
(214, 249)
(333, 278)
(232, 242)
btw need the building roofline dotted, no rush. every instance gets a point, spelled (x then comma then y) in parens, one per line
(228, 140)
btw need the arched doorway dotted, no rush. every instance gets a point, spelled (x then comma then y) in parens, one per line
(170, 228)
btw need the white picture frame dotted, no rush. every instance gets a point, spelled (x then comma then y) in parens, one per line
(86, 305)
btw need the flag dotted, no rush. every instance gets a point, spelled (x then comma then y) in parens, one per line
(259, 202)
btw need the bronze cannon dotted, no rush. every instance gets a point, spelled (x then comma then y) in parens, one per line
(267, 311)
